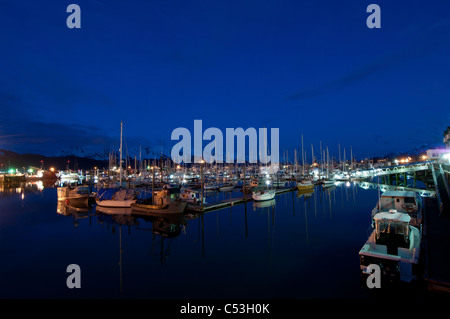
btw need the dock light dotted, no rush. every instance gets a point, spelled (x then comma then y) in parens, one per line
(267, 182)
(424, 157)
(52, 169)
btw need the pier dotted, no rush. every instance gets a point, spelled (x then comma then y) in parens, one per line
(436, 236)
(232, 201)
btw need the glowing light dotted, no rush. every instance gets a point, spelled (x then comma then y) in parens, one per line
(52, 169)
(267, 182)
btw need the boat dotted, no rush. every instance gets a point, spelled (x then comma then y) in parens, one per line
(305, 185)
(191, 196)
(402, 201)
(327, 182)
(115, 211)
(226, 187)
(263, 194)
(211, 186)
(162, 203)
(77, 196)
(394, 245)
(116, 197)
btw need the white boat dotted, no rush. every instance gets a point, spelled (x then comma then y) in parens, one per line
(327, 182)
(402, 201)
(75, 196)
(116, 198)
(394, 245)
(263, 194)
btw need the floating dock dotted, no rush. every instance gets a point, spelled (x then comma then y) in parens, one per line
(436, 238)
(232, 201)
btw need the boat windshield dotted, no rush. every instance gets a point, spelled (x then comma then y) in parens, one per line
(392, 227)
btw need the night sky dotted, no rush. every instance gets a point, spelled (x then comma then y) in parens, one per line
(305, 67)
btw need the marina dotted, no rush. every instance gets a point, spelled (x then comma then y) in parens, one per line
(207, 158)
(171, 213)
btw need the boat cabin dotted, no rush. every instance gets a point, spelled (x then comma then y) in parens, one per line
(400, 201)
(392, 230)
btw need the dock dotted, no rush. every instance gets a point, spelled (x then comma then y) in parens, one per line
(232, 201)
(436, 235)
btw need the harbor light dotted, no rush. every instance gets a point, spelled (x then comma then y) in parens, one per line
(52, 169)
(446, 156)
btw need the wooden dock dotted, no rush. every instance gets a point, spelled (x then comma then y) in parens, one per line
(232, 201)
(436, 236)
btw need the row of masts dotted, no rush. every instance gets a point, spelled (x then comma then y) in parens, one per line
(326, 163)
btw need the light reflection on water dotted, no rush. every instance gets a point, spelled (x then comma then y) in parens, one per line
(299, 245)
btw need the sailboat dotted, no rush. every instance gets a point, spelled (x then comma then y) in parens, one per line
(117, 197)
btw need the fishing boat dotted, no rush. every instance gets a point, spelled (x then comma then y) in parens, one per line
(191, 196)
(402, 201)
(394, 245)
(161, 203)
(116, 198)
(77, 196)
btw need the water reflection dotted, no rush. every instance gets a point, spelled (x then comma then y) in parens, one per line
(278, 239)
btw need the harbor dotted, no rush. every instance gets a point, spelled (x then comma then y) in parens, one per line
(172, 198)
(210, 159)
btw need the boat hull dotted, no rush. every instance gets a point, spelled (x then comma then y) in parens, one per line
(263, 196)
(172, 208)
(115, 203)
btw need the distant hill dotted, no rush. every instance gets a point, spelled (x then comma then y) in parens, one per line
(9, 159)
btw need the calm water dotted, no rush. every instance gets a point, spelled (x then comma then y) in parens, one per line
(301, 247)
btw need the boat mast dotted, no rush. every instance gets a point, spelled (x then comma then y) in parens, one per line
(120, 160)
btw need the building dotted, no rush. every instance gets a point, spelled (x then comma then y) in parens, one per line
(447, 137)
(439, 154)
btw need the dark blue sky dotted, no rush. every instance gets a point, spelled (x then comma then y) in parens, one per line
(310, 67)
